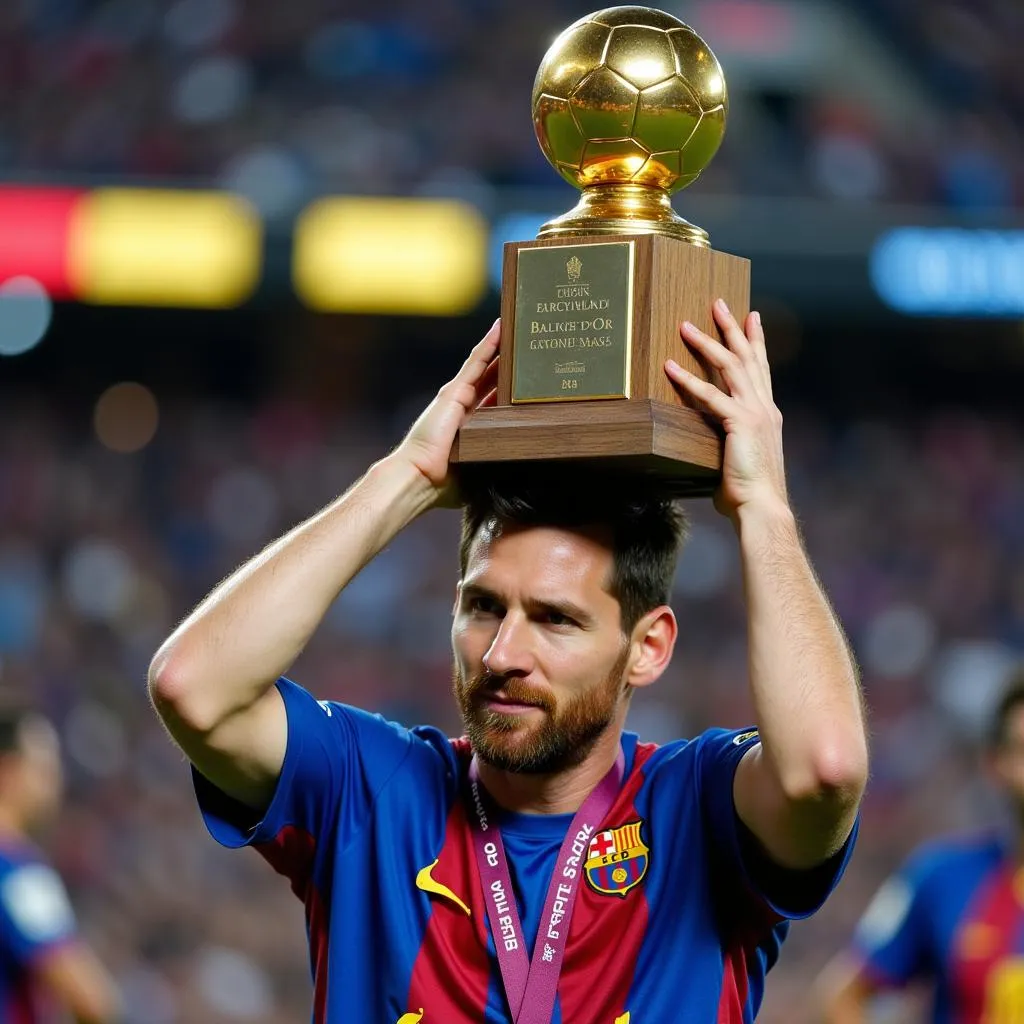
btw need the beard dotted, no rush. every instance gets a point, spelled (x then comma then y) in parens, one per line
(562, 740)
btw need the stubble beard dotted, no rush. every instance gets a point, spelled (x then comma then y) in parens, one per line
(564, 738)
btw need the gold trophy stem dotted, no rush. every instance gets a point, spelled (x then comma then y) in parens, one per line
(624, 209)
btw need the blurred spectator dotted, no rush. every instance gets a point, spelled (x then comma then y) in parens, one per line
(44, 964)
(950, 919)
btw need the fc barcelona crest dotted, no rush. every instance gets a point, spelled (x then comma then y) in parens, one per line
(617, 860)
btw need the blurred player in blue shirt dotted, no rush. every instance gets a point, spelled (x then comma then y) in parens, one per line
(953, 916)
(650, 884)
(44, 966)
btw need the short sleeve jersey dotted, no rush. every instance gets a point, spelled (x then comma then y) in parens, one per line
(35, 919)
(952, 916)
(679, 917)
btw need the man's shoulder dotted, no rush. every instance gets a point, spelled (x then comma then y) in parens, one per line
(375, 734)
(401, 758)
(683, 754)
(661, 771)
(431, 756)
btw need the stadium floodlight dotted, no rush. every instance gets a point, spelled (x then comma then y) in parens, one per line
(142, 247)
(950, 271)
(401, 255)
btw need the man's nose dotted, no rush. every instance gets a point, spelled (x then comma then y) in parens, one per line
(510, 652)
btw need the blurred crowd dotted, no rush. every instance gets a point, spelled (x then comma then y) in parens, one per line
(916, 528)
(965, 55)
(283, 101)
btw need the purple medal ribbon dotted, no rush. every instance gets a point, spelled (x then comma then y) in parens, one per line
(531, 984)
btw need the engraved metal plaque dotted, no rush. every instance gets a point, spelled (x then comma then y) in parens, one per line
(574, 322)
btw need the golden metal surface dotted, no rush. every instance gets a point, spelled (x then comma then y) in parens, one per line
(629, 104)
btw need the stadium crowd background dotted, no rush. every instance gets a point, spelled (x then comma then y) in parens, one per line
(914, 513)
(288, 100)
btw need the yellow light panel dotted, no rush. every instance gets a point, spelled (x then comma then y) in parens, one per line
(138, 247)
(412, 256)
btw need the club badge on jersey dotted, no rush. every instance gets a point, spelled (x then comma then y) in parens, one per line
(617, 860)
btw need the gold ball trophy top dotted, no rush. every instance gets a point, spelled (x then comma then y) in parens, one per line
(629, 105)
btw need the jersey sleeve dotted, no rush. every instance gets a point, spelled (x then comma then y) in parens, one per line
(35, 911)
(337, 761)
(789, 894)
(891, 939)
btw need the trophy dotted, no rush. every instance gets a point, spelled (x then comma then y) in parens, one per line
(629, 105)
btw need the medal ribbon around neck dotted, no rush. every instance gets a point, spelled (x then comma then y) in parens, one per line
(532, 984)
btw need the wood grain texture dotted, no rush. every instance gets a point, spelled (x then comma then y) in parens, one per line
(580, 430)
(655, 429)
(730, 280)
(509, 267)
(636, 436)
(680, 288)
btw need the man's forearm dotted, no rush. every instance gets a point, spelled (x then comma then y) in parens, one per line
(803, 679)
(253, 626)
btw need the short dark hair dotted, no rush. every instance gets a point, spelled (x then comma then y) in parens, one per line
(647, 527)
(1011, 698)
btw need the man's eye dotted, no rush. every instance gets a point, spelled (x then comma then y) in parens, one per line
(483, 605)
(558, 619)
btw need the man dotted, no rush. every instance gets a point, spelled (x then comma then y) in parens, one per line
(548, 867)
(43, 964)
(953, 917)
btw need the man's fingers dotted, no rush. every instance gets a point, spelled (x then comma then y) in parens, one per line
(719, 403)
(710, 348)
(755, 333)
(468, 391)
(742, 342)
(745, 344)
(480, 358)
(489, 378)
(735, 339)
(735, 374)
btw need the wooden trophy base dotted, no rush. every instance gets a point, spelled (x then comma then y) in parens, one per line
(652, 429)
(636, 435)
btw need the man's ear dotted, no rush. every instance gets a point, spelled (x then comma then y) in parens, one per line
(652, 641)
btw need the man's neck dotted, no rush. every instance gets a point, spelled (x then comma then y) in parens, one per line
(560, 792)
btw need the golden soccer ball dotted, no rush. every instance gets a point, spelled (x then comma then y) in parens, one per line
(630, 95)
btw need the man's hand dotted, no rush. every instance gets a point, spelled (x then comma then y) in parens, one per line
(428, 444)
(752, 469)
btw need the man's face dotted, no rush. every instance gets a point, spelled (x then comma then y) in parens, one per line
(540, 658)
(1008, 758)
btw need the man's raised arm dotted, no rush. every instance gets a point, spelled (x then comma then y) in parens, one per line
(798, 790)
(212, 681)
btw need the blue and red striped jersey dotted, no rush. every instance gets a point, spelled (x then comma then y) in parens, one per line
(679, 919)
(953, 916)
(35, 919)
